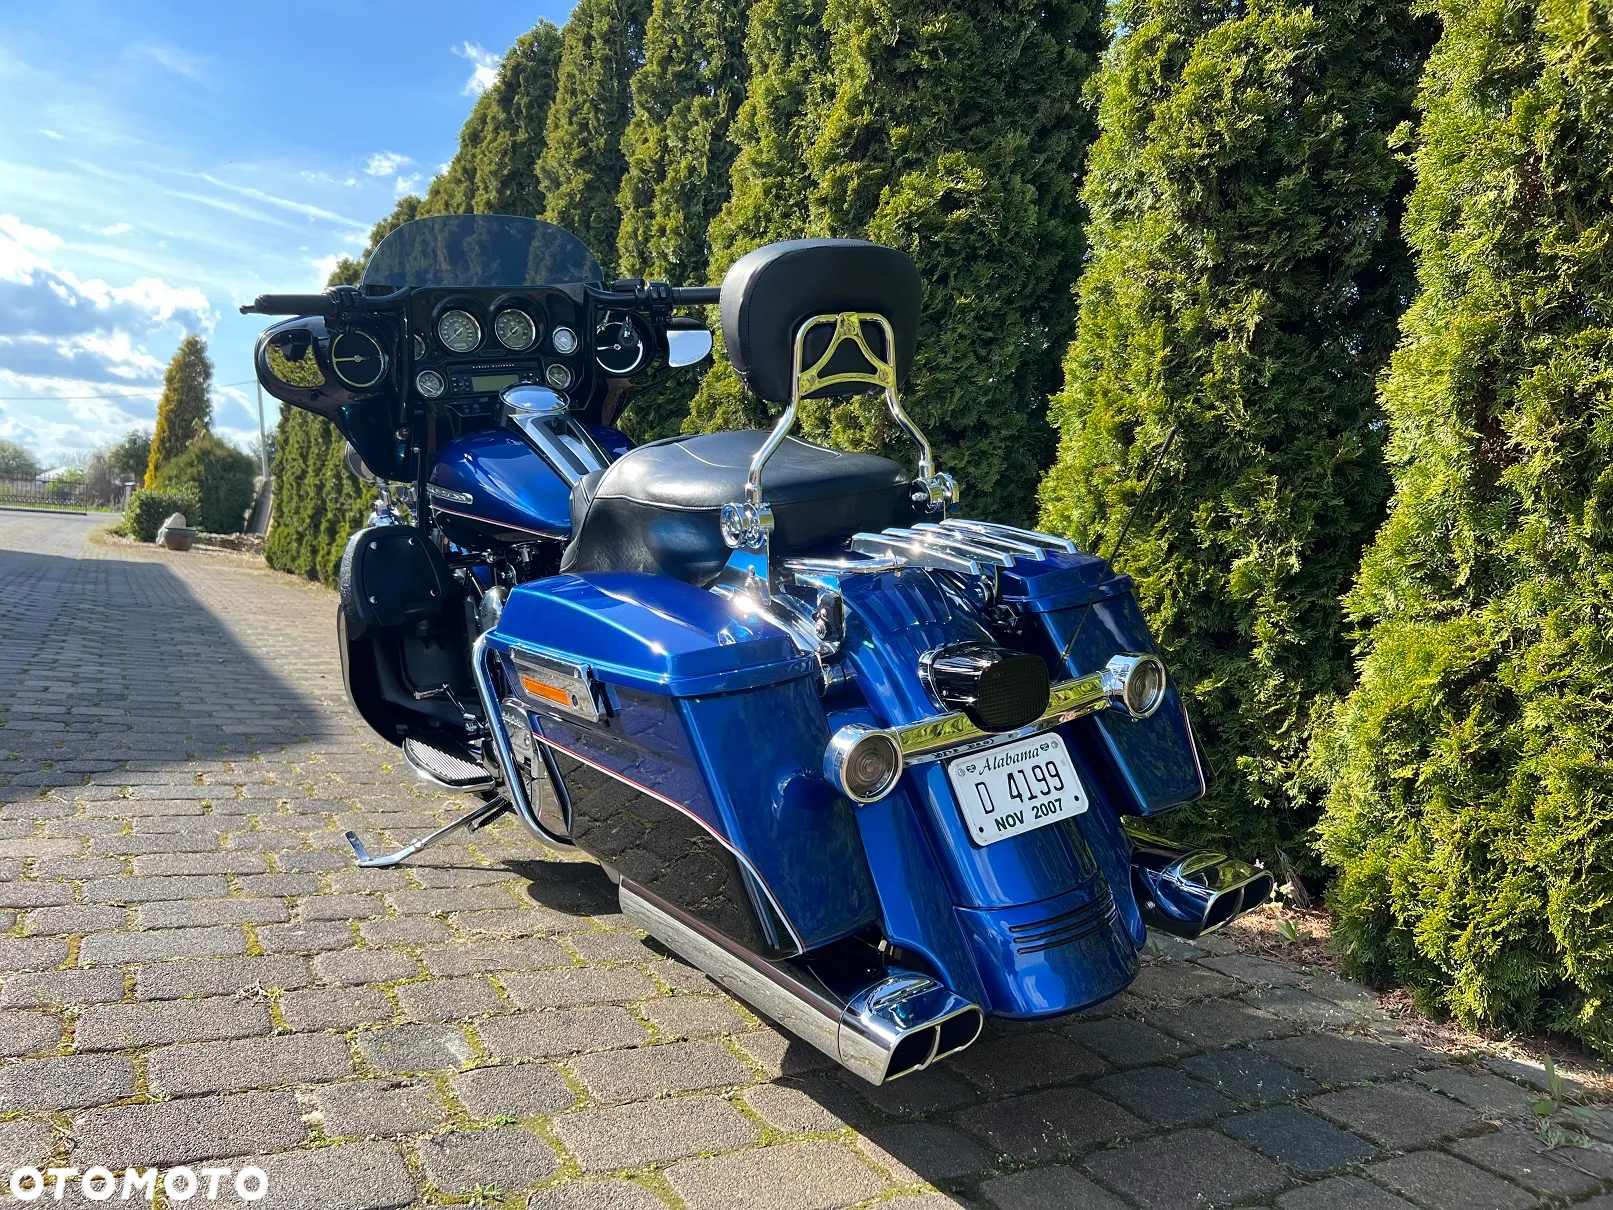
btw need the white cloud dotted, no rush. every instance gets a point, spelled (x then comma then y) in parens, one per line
(324, 266)
(405, 184)
(484, 67)
(385, 163)
(49, 134)
(118, 229)
(180, 62)
(83, 347)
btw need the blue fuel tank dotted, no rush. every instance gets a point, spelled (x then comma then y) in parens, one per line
(491, 485)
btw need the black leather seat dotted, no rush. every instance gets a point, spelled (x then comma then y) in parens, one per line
(658, 508)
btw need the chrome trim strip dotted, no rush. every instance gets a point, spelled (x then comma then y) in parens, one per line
(911, 548)
(931, 738)
(750, 866)
(536, 533)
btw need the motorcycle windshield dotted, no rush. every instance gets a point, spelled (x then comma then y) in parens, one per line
(464, 250)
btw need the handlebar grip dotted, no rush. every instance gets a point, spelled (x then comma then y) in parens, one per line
(289, 304)
(696, 296)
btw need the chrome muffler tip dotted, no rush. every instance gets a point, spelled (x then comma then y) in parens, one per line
(1190, 894)
(898, 1024)
(902, 1024)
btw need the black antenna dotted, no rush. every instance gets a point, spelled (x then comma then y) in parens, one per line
(1125, 530)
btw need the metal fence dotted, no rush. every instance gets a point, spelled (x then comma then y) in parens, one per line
(64, 493)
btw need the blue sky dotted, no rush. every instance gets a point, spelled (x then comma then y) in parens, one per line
(162, 162)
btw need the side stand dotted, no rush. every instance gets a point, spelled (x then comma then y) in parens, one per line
(480, 817)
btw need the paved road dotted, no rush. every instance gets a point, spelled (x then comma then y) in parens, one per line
(191, 970)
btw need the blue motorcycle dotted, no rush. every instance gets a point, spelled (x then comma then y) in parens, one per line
(877, 769)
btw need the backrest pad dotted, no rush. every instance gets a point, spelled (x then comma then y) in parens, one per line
(767, 295)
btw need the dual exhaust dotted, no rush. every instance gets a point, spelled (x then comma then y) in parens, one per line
(1191, 894)
(880, 1024)
(883, 1022)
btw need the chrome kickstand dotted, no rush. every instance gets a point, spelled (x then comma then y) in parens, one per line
(479, 817)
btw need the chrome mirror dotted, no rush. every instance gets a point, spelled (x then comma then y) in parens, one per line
(686, 346)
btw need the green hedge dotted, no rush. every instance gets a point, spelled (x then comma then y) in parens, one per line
(150, 507)
(1244, 287)
(1470, 820)
(219, 476)
(318, 502)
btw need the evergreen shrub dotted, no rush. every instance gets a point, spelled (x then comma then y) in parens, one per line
(1470, 819)
(1244, 287)
(219, 476)
(150, 507)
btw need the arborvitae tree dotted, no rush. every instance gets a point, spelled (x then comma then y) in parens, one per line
(1471, 812)
(495, 169)
(957, 134)
(186, 405)
(770, 185)
(678, 159)
(1244, 286)
(581, 166)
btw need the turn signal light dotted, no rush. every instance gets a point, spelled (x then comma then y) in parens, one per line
(1135, 683)
(864, 762)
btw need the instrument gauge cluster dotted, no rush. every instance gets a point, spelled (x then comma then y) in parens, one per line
(468, 345)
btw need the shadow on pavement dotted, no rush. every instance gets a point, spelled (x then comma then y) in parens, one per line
(108, 660)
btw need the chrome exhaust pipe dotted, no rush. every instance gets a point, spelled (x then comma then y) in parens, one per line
(1189, 894)
(896, 1025)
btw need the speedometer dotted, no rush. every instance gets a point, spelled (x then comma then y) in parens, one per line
(459, 331)
(515, 329)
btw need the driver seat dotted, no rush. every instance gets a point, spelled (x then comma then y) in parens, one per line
(658, 508)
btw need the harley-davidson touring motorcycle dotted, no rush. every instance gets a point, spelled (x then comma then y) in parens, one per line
(878, 769)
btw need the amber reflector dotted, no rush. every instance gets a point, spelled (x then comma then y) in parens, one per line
(547, 692)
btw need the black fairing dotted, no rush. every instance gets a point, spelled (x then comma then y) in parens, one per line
(293, 364)
(658, 508)
(402, 633)
(769, 293)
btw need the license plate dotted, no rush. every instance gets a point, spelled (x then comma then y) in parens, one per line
(1016, 788)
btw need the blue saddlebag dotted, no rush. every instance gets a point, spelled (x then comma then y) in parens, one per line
(689, 740)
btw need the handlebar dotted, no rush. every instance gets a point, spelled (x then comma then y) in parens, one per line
(290, 304)
(331, 300)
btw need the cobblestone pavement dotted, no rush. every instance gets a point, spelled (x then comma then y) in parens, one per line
(192, 970)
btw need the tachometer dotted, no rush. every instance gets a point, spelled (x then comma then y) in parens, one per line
(357, 359)
(515, 329)
(459, 331)
(618, 345)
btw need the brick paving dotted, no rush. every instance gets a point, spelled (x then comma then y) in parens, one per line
(192, 970)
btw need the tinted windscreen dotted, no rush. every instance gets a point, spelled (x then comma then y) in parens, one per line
(463, 250)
